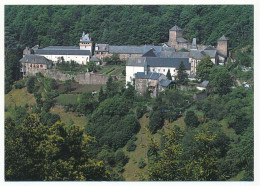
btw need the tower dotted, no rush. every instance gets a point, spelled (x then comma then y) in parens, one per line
(85, 42)
(174, 33)
(222, 46)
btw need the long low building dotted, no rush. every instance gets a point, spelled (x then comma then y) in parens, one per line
(80, 54)
(155, 65)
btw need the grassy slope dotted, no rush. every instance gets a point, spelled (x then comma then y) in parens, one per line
(18, 97)
(66, 117)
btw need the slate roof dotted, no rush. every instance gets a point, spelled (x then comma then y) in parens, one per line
(165, 82)
(211, 53)
(31, 58)
(85, 38)
(135, 61)
(157, 49)
(62, 52)
(61, 48)
(181, 55)
(126, 49)
(175, 28)
(149, 75)
(203, 84)
(150, 53)
(223, 38)
(197, 54)
(94, 58)
(168, 62)
(102, 47)
(167, 52)
(181, 40)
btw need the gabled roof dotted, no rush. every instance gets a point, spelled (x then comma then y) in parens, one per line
(211, 53)
(126, 49)
(223, 38)
(61, 48)
(165, 82)
(149, 75)
(94, 58)
(181, 40)
(150, 53)
(197, 54)
(175, 28)
(31, 58)
(204, 84)
(168, 62)
(135, 61)
(167, 52)
(62, 52)
(181, 55)
(102, 47)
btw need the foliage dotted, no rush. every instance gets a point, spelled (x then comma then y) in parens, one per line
(67, 84)
(113, 60)
(156, 121)
(130, 146)
(49, 153)
(30, 84)
(204, 68)
(92, 67)
(67, 99)
(168, 75)
(140, 110)
(19, 84)
(141, 163)
(112, 124)
(220, 80)
(86, 103)
(182, 76)
(191, 119)
(120, 157)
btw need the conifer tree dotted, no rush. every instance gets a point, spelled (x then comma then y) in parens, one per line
(169, 75)
(182, 76)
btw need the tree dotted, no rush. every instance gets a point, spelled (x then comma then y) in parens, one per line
(204, 68)
(101, 95)
(67, 84)
(30, 84)
(28, 35)
(168, 75)
(191, 119)
(220, 80)
(37, 152)
(86, 103)
(156, 121)
(182, 76)
(92, 67)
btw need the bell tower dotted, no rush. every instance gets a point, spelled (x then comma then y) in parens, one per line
(222, 46)
(174, 33)
(85, 42)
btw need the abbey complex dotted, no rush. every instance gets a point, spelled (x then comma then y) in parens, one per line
(147, 65)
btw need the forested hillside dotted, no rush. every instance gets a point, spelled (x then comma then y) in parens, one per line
(65, 131)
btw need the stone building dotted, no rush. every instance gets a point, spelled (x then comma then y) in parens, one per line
(33, 64)
(80, 54)
(154, 65)
(152, 82)
(222, 49)
(175, 38)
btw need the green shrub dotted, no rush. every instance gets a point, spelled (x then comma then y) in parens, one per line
(130, 146)
(19, 85)
(141, 163)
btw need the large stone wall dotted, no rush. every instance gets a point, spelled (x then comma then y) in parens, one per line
(81, 78)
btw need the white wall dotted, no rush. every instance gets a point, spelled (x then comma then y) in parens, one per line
(131, 71)
(164, 70)
(78, 58)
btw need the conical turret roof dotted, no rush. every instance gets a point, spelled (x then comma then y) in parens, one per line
(223, 38)
(175, 28)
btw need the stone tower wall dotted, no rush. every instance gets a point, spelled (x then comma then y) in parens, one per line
(222, 47)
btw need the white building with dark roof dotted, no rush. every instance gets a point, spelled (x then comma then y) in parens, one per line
(80, 54)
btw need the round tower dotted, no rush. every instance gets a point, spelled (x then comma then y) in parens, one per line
(222, 46)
